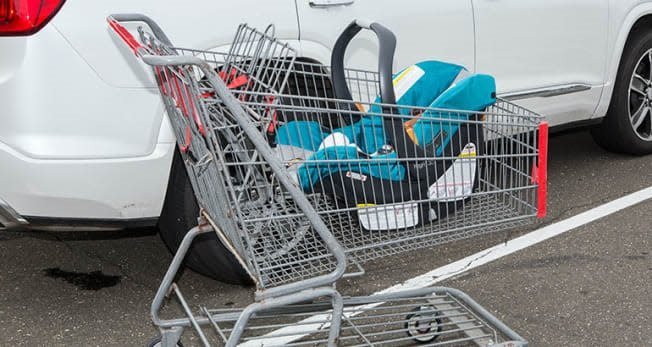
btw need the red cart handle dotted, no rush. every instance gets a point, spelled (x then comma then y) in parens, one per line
(125, 35)
(186, 145)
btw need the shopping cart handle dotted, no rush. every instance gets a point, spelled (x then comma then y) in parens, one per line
(172, 60)
(137, 17)
(126, 36)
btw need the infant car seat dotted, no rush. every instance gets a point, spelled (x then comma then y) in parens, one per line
(383, 165)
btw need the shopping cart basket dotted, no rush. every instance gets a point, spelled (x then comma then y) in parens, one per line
(228, 110)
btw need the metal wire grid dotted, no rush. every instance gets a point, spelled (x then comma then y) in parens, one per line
(277, 245)
(366, 247)
(436, 319)
(504, 198)
(285, 248)
(280, 245)
(211, 142)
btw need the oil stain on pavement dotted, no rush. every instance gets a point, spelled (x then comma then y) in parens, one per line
(95, 280)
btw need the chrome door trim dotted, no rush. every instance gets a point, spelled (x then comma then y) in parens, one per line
(546, 92)
(330, 3)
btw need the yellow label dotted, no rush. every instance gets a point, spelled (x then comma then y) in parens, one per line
(400, 76)
(467, 155)
(468, 152)
(406, 79)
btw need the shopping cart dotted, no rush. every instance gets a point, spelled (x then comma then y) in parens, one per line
(296, 239)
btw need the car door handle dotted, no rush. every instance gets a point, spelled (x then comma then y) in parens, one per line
(329, 3)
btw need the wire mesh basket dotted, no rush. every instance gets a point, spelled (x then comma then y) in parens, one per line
(298, 212)
(487, 184)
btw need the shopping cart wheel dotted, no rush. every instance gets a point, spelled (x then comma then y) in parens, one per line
(156, 342)
(423, 325)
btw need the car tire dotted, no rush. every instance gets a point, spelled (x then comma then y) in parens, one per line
(207, 255)
(620, 130)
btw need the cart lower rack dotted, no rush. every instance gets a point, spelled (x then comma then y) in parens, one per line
(304, 172)
(434, 316)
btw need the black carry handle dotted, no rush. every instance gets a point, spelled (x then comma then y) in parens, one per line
(387, 46)
(393, 127)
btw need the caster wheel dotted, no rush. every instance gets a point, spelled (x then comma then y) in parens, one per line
(423, 325)
(156, 342)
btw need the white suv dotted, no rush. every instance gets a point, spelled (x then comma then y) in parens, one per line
(83, 137)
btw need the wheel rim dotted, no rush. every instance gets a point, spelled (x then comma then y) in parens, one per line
(640, 97)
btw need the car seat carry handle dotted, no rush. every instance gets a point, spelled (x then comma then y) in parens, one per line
(387, 46)
(137, 17)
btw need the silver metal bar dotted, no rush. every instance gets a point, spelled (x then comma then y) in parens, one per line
(310, 294)
(329, 3)
(214, 324)
(137, 17)
(171, 60)
(546, 92)
(168, 279)
(191, 317)
(462, 321)
(487, 316)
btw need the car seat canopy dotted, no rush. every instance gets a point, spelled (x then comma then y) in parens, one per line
(420, 84)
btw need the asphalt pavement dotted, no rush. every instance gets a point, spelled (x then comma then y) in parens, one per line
(589, 287)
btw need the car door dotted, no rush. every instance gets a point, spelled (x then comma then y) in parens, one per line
(550, 54)
(424, 29)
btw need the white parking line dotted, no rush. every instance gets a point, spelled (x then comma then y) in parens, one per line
(290, 334)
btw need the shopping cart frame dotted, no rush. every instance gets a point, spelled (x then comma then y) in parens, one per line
(270, 298)
(171, 329)
(257, 139)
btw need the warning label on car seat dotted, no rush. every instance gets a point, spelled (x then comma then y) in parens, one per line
(406, 79)
(457, 182)
(388, 217)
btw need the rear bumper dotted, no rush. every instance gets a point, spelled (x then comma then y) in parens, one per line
(93, 189)
(9, 218)
(75, 149)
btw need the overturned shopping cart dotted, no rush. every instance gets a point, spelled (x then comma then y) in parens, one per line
(307, 172)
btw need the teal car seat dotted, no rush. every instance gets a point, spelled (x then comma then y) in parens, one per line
(383, 160)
